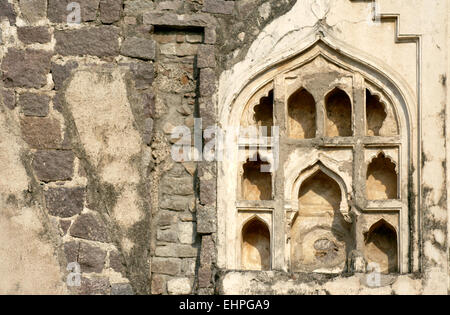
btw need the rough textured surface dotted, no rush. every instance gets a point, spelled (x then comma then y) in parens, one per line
(26, 68)
(33, 104)
(31, 34)
(97, 41)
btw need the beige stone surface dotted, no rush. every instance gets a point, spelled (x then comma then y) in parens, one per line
(29, 263)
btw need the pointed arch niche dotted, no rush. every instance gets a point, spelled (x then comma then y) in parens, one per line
(329, 100)
(319, 235)
(255, 247)
(338, 114)
(302, 115)
(381, 246)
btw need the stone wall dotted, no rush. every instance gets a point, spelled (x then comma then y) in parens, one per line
(87, 115)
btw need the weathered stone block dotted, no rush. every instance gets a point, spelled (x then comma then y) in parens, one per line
(115, 262)
(206, 219)
(179, 286)
(61, 72)
(183, 49)
(158, 284)
(167, 266)
(188, 266)
(91, 258)
(58, 101)
(166, 218)
(210, 35)
(65, 202)
(178, 186)
(204, 277)
(71, 250)
(33, 34)
(207, 251)
(176, 203)
(7, 10)
(121, 289)
(186, 232)
(137, 47)
(98, 41)
(34, 104)
(148, 131)
(207, 112)
(206, 56)
(110, 11)
(208, 192)
(33, 10)
(218, 6)
(172, 19)
(57, 10)
(167, 235)
(53, 165)
(9, 98)
(94, 286)
(170, 5)
(90, 227)
(26, 68)
(207, 82)
(176, 250)
(143, 75)
(194, 38)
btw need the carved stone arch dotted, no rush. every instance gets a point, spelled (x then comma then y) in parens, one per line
(386, 155)
(301, 114)
(338, 107)
(236, 88)
(389, 110)
(320, 164)
(320, 237)
(248, 115)
(382, 178)
(381, 246)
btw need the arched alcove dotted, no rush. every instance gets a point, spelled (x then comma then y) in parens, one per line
(256, 184)
(320, 236)
(302, 115)
(381, 181)
(381, 246)
(375, 114)
(338, 114)
(255, 245)
(264, 111)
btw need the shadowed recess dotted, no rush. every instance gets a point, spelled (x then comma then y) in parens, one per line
(319, 235)
(255, 246)
(264, 112)
(256, 185)
(381, 183)
(375, 114)
(339, 114)
(302, 115)
(381, 246)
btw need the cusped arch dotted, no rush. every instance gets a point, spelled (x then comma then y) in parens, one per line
(382, 178)
(346, 57)
(310, 170)
(319, 235)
